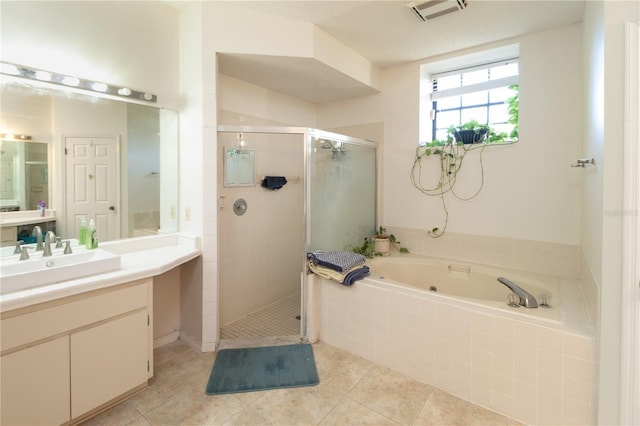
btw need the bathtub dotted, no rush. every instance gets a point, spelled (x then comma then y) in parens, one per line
(447, 323)
(471, 283)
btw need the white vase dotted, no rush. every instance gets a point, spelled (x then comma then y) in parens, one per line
(381, 245)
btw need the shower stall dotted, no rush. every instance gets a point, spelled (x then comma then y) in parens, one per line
(284, 191)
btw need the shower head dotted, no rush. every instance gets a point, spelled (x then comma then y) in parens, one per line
(327, 144)
(333, 146)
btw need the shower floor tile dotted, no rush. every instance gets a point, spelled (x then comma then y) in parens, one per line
(277, 319)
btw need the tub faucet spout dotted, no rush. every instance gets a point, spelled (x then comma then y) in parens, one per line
(526, 299)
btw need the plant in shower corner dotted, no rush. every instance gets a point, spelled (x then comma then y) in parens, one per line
(382, 235)
(370, 246)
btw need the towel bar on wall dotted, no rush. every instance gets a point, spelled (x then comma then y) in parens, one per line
(582, 162)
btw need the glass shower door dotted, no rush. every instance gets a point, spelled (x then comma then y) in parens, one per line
(342, 191)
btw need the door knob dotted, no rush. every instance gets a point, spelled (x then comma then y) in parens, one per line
(112, 208)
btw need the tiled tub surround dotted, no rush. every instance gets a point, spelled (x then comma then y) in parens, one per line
(562, 260)
(533, 370)
(556, 259)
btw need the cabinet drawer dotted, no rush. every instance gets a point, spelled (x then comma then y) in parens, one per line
(32, 326)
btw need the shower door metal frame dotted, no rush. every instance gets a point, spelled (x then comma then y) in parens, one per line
(308, 135)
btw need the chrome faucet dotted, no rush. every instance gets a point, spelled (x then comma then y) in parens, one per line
(48, 239)
(37, 231)
(526, 299)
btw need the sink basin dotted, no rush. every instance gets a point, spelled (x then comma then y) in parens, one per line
(16, 275)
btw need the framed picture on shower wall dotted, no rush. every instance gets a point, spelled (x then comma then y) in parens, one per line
(239, 167)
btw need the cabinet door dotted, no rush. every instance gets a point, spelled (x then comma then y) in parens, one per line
(8, 236)
(107, 361)
(35, 384)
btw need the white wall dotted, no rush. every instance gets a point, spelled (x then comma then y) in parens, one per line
(120, 42)
(255, 105)
(530, 191)
(603, 207)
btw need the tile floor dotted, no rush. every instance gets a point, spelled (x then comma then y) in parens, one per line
(278, 319)
(352, 390)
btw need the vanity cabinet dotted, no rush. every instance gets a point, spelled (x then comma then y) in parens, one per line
(62, 360)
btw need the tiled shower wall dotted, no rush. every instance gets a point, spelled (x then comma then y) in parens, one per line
(261, 252)
(535, 374)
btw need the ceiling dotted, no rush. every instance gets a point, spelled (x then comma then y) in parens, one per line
(388, 33)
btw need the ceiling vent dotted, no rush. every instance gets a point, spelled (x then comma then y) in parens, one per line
(431, 9)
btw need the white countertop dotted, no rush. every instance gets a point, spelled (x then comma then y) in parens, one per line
(25, 217)
(140, 258)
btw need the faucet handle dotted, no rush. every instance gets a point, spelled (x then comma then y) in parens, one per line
(67, 248)
(25, 253)
(18, 248)
(58, 242)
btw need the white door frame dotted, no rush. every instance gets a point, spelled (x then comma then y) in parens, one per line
(630, 362)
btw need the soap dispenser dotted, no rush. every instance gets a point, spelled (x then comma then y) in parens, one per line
(91, 236)
(82, 233)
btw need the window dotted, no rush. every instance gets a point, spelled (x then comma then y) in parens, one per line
(473, 93)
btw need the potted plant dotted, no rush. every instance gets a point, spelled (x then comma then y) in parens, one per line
(383, 241)
(469, 132)
(379, 244)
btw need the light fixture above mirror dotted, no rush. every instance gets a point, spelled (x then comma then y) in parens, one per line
(30, 73)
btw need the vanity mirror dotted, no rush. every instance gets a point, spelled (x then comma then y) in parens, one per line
(102, 158)
(24, 174)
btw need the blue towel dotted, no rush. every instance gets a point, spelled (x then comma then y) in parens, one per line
(355, 275)
(274, 182)
(340, 261)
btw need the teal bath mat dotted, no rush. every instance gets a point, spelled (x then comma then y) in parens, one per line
(270, 367)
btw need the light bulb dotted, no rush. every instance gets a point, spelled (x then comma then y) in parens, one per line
(240, 140)
(71, 81)
(43, 75)
(9, 69)
(99, 87)
(124, 91)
